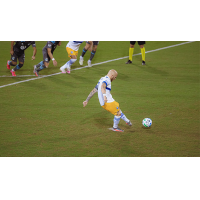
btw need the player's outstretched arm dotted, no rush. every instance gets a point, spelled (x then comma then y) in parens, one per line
(89, 97)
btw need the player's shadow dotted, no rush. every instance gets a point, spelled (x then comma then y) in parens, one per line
(150, 69)
(147, 128)
(66, 81)
(122, 76)
(107, 122)
(100, 70)
(82, 78)
(102, 121)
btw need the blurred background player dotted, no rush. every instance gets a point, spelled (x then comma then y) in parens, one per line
(72, 48)
(106, 101)
(17, 52)
(89, 44)
(131, 51)
(47, 56)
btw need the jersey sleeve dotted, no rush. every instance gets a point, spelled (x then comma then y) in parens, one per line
(33, 44)
(106, 81)
(97, 85)
(49, 45)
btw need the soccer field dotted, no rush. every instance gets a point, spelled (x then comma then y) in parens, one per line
(45, 117)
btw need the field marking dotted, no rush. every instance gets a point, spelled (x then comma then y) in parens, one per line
(4, 76)
(87, 66)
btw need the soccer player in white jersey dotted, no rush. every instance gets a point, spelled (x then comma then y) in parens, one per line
(106, 100)
(72, 48)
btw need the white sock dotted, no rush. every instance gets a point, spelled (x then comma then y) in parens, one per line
(71, 61)
(116, 121)
(123, 116)
(64, 66)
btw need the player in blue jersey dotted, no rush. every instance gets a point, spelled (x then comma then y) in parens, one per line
(47, 51)
(17, 52)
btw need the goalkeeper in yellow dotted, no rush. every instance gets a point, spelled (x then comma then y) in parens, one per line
(131, 51)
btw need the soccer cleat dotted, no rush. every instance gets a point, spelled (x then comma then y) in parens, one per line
(62, 70)
(89, 63)
(81, 60)
(8, 66)
(13, 73)
(129, 62)
(143, 62)
(34, 69)
(68, 69)
(129, 123)
(117, 129)
(36, 73)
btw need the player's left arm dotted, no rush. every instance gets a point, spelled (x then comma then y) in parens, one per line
(34, 50)
(89, 96)
(34, 53)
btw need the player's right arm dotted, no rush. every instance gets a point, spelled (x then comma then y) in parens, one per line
(12, 44)
(51, 56)
(90, 96)
(103, 90)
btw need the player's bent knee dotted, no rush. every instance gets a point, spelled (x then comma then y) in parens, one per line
(94, 47)
(46, 64)
(21, 65)
(73, 57)
(118, 113)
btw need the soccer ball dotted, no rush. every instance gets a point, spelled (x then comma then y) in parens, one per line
(147, 122)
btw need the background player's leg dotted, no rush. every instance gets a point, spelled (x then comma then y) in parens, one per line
(87, 46)
(37, 66)
(41, 67)
(11, 63)
(142, 48)
(68, 64)
(131, 51)
(17, 67)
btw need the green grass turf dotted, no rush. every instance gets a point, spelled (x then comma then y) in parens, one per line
(45, 117)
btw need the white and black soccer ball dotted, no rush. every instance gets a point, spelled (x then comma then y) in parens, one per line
(147, 122)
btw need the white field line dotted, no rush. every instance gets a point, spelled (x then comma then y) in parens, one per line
(87, 66)
(4, 76)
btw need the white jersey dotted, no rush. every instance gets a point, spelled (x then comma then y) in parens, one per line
(107, 81)
(74, 45)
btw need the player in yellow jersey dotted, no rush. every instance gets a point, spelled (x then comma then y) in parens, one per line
(72, 50)
(106, 100)
(131, 51)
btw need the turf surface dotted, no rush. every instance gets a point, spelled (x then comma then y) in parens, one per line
(45, 117)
